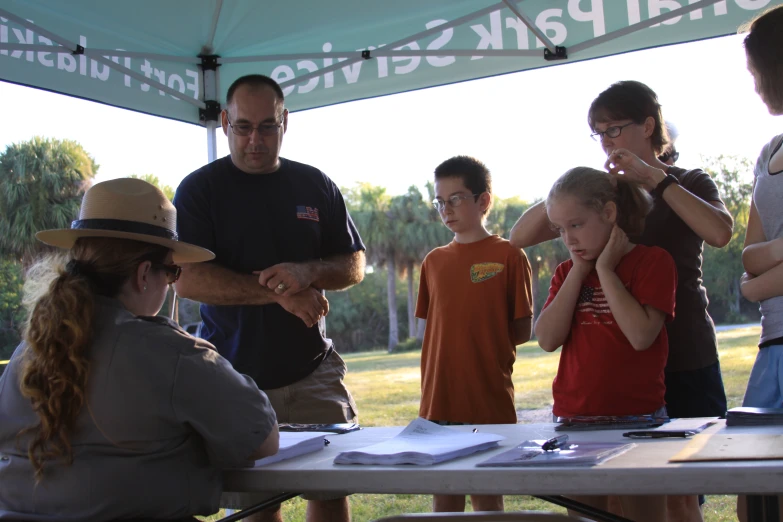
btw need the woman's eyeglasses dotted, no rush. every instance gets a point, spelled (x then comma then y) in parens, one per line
(613, 132)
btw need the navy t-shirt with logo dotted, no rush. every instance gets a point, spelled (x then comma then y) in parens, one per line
(252, 222)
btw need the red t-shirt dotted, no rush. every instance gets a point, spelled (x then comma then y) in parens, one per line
(470, 294)
(600, 373)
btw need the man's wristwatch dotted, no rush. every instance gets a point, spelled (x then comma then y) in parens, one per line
(665, 182)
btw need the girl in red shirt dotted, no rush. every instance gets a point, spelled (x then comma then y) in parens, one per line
(607, 306)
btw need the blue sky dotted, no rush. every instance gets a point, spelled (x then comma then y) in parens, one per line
(528, 127)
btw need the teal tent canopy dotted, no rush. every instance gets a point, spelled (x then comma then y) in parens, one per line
(176, 58)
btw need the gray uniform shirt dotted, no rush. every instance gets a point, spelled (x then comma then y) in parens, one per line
(165, 412)
(767, 195)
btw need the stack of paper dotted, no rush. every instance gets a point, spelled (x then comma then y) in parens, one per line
(529, 453)
(754, 417)
(293, 444)
(422, 443)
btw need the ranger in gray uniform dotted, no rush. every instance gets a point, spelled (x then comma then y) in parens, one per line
(106, 412)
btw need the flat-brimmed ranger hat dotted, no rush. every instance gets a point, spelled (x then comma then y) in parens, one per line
(127, 208)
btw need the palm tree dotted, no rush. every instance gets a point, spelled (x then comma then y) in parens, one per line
(380, 231)
(429, 233)
(42, 182)
(543, 258)
(152, 179)
(12, 312)
(412, 245)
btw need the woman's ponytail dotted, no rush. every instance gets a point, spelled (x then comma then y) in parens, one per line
(56, 366)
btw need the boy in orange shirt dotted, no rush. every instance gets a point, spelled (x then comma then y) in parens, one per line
(475, 294)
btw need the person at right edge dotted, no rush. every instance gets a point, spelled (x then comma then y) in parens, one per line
(687, 212)
(763, 253)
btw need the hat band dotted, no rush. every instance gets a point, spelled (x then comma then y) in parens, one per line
(120, 225)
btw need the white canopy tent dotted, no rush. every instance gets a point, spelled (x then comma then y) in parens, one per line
(175, 59)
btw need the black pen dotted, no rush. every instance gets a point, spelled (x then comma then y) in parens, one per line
(555, 443)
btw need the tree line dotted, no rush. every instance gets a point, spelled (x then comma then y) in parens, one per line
(43, 180)
(400, 230)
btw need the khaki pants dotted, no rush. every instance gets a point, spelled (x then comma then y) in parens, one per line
(319, 398)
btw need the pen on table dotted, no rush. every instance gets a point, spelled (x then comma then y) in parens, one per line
(555, 443)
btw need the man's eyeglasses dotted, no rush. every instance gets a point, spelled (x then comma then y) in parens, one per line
(172, 271)
(671, 154)
(264, 129)
(453, 201)
(613, 132)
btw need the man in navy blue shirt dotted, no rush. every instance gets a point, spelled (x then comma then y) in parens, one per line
(282, 235)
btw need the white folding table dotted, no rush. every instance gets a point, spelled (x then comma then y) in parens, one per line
(643, 470)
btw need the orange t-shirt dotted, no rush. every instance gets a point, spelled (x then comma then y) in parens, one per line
(470, 294)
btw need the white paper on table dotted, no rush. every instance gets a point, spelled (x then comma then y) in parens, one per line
(696, 425)
(422, 442)
(293, 444)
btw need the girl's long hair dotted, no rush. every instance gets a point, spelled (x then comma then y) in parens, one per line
(594, 189)
(59, 297)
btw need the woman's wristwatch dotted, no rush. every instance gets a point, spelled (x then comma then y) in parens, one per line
(670, 179)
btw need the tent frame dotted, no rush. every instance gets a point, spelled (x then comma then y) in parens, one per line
(209, 106)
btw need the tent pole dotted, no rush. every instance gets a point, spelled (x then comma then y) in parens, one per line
(213, 28)
(382, 51)
(209, 68)
(211, 141)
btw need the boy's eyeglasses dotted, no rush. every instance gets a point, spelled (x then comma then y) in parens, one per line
(613, 132)
(453, 201)
(172, 271)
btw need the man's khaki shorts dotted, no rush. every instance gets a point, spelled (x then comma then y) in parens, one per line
(319, 398)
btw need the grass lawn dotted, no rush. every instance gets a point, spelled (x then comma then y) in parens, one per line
(386, 389)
